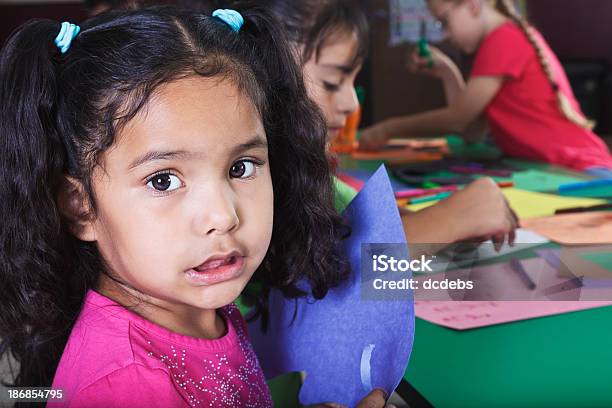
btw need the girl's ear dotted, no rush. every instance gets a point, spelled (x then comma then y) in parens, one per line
(76, 209)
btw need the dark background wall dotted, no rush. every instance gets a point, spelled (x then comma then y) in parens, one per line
(575, 28)
(14, 14)
(580, 32)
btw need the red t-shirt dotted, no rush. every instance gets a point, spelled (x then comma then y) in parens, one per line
(524, 117)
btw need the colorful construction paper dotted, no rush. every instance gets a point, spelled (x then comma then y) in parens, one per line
(470, 315)
(602, 259)
(594, 188)
(501, 282)
(398, 155)
(593, 264)
(582, 228)
(542, 181)
(358, 178)
(346, 345)
(432, 145)
(528, 204)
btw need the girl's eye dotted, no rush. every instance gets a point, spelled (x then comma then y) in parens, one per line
(331, 87)
(242, 169)
(164, 182)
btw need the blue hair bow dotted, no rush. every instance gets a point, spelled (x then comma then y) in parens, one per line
(230, 17)
(67, 33)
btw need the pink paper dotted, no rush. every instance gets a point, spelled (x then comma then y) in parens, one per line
(500, 284)
(465, 315)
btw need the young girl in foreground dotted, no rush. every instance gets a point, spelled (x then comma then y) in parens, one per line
(516, 83)
(153, 161)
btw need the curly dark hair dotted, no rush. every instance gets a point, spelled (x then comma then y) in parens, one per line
(310, 23)
(59, 112)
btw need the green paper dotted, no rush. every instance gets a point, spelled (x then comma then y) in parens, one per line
(479, 150)
(285, 390)
(601, 259)
(542, 181)
(594, 191)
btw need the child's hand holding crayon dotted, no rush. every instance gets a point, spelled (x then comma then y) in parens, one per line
(476, 213)
(437, 64)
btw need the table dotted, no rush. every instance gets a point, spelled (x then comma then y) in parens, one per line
(556, 361)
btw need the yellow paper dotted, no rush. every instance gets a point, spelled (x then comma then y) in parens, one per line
(528, 204)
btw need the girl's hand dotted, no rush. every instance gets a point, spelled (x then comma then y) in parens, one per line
(442, 64)
(477, 213)
(481, 212)
(375, 137)
(375, 399)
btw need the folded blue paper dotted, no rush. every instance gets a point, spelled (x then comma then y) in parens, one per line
(347, 345)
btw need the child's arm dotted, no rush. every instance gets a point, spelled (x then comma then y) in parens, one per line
(467, 107)
(454, 84)
(443, 68)
(478, 212)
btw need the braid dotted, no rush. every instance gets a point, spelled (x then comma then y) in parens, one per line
(507, 8)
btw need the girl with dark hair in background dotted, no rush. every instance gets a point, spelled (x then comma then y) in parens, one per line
(153, 162)
(330, 40)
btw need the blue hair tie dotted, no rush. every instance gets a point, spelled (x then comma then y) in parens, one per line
(67, 33)
(230, 17)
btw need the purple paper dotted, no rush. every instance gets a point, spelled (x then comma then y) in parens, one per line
(347, 346)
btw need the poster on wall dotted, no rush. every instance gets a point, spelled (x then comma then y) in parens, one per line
(405, 19)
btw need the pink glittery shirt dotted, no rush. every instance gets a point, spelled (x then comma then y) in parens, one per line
(115, 358)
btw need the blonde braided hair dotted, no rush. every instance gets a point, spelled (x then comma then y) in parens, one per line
(506, 7)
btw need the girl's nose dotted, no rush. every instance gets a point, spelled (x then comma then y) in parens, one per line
(217, 213)
(347, 100)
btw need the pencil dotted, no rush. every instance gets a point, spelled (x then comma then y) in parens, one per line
(517, 267)
(599, 207)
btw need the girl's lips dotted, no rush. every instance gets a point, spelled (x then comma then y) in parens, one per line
(333, 131)
(216, 270)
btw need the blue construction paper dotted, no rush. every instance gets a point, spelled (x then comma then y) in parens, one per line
(346, 345)
(592, 188)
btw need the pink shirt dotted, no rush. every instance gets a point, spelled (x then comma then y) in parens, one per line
(115, 358)
(524, 117)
